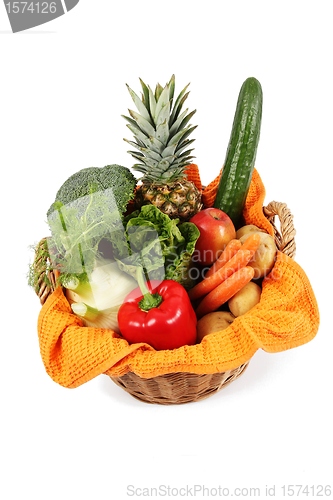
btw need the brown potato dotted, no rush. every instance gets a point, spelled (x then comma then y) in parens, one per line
(213, 322)
(264, 258)
(249, 228)
(245, 299)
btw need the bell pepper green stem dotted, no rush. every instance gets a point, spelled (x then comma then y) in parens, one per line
(149, 300)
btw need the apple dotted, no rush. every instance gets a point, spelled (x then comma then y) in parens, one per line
(216, 230)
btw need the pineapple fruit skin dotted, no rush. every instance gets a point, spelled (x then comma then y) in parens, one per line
(181, 199)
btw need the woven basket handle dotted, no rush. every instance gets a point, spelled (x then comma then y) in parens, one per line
(285, 235)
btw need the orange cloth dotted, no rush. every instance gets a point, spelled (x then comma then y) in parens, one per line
(209, 193)
(193, 175)
(286, 317)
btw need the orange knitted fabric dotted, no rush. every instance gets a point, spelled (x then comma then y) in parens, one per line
(193, 175)
(209, 193)
(286, 317)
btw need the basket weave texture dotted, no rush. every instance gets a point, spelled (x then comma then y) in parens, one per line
(287, 316)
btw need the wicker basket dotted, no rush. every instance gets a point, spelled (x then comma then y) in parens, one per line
(179, 388)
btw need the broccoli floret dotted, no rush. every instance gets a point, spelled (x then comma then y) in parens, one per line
(92, 179)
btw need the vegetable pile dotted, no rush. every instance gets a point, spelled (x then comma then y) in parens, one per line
(144, 257)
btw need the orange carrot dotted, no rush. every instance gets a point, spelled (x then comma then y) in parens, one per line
(231, 248)
(252, 242)
(223, 292)
(239, 260)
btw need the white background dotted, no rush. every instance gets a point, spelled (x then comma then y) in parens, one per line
(62, 95)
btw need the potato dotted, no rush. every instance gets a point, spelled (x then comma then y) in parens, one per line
(245, 299)
(249, 228)
(264, 258)
(213, 322)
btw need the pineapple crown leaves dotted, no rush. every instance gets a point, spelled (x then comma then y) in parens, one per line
(161, 130)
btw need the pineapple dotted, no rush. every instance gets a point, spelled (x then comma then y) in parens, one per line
(161, 134)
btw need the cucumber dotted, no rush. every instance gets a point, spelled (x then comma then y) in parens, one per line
(241, 152)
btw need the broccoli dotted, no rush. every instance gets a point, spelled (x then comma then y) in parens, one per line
(92, 179)
(89, 210)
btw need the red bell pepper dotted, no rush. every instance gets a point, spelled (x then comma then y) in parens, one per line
(159, 314)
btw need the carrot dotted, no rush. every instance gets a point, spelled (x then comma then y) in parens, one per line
(223, 292)
(231, 248)
(239, 260)
(252, 242)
